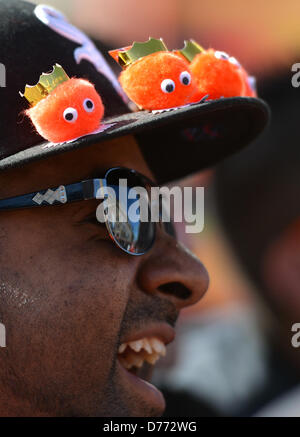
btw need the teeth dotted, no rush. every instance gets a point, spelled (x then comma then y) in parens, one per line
(147, 346)
(122, 347)
(134, 360)
(158, 346)
(134, 353)
(152, 358)
(136, 345)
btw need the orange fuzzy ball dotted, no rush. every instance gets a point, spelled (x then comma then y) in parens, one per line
(71, 110)
(216, 76)
(161, 80)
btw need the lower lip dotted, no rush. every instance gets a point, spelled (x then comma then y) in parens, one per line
(143, 389)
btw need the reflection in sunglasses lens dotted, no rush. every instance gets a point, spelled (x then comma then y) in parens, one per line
(134, 236)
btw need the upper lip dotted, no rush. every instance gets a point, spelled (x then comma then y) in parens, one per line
(162, 331)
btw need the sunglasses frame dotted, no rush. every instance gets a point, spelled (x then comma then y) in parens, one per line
(75, 192)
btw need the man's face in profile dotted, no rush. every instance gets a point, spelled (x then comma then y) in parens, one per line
(70, 297)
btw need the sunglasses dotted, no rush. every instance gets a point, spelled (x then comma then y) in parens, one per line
(134, 236)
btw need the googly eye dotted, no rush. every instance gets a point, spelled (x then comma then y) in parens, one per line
(88, 105)
(221, 55)
(70, 115)
(185, 78)
(252, 83)
(234, 61)
(167, 86)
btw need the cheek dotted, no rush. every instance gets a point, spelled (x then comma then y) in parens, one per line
(80, 293)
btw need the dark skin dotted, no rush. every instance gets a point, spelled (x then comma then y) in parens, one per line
(69, 295)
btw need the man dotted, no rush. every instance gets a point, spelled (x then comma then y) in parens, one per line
(71, 299)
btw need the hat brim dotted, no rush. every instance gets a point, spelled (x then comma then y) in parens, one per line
(175, 143)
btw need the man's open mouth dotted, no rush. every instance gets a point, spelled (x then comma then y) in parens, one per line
(138, 351)
(133, 354)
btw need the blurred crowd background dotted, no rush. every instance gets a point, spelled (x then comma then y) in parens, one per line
(234, 354)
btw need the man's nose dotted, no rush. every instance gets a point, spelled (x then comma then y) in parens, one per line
(173, 272)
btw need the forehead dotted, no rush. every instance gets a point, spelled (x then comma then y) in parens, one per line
(74, 166)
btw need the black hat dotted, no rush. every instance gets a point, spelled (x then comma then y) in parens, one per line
(174, 143)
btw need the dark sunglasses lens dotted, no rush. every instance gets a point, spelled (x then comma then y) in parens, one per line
(124, 215)
(167, 225)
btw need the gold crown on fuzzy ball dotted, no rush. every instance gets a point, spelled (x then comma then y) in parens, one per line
(46, 84)
(190, 50)
(139, 50)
